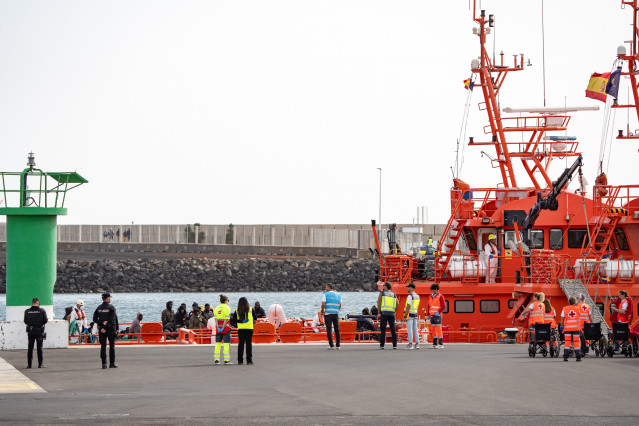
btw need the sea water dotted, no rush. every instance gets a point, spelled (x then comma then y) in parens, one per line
(295, 304)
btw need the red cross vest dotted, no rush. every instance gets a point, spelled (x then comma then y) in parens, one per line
(572, 321)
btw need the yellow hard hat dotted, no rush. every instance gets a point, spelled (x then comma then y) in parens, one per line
(492, 237)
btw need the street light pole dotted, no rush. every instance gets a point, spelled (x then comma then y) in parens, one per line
(380, 203)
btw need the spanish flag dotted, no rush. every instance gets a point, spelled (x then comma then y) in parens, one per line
(597, 86)
(468, 84)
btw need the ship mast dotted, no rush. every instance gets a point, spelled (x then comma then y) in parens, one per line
(631, 58)
(535, 154)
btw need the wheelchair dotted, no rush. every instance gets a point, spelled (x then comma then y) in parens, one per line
(593, 340)
(555, 342)
(542, 336)
(620, 336)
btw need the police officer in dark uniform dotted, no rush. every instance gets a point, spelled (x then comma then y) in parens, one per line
(35, 318)
(107, 321)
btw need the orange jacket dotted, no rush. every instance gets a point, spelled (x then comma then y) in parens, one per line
(537, 314)
(550, 318)
(572, 321)
(436, 304)
(584, 313)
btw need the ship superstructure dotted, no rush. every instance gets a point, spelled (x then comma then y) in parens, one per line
(549, 238)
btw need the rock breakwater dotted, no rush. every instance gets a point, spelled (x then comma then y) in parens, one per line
(212, 275)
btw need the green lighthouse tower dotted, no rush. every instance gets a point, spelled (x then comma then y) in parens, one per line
(32, 201)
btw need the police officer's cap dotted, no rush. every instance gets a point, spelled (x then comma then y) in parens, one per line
(105, 295)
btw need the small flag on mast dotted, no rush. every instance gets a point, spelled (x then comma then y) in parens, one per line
(468, 84)
(612, 88)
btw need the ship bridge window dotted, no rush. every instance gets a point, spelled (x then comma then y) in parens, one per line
(622, 242)
(556, 237)
(510, 236)
(536, 239)
(469, 237)
(577, 238)
(464, 306)
(489, 306)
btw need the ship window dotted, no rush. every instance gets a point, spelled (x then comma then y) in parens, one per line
(556, 237)
(510, 236)
(622, 242)
(489, 306)
(469, 237)
(511, 303)
(464, 306)
(600, 306)
(577, 238)
(446, 308)
(536, 239)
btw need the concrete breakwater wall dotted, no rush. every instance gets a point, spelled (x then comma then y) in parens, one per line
(212, 275)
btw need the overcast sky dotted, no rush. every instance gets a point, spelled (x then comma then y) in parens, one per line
(258, 112)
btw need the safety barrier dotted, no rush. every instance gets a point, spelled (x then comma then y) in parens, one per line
(294, 332)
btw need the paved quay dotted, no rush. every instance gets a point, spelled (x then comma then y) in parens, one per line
(306, 384)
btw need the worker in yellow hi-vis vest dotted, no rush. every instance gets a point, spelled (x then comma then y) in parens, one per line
(221, 323)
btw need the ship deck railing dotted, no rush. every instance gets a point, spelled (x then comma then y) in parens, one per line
(609, 197)
(308, 334)
(483, 202)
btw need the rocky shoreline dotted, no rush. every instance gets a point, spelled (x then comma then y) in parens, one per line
(211, 275)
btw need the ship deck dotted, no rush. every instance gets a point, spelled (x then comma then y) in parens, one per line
(305, 384)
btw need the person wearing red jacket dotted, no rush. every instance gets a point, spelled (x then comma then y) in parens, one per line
(621, 311)
(436, 305)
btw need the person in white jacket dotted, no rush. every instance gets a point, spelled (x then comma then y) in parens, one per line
(276, 315)
(491, 252)
(80, 318)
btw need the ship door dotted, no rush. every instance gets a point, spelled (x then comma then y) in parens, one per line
(482, 240)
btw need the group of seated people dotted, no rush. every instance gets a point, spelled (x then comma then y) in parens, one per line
(196, 318)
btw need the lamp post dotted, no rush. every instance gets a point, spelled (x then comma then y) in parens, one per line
(380, 203)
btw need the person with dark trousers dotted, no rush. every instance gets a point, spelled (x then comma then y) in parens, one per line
(244, 317)
(331, 304)
(387, 305)
(107, 320)
(35, 318)
(259, 311)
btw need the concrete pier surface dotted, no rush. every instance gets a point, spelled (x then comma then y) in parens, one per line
(483, 384)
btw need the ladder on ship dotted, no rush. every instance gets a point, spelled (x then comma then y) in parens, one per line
(604, 228)
(520, 305)
(573, 288)
(447, 244)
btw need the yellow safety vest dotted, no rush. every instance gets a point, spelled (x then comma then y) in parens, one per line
(414, 304)
(389, 301)
(247, 324)
(221, 312)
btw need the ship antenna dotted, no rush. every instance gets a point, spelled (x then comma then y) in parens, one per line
(543, 49)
